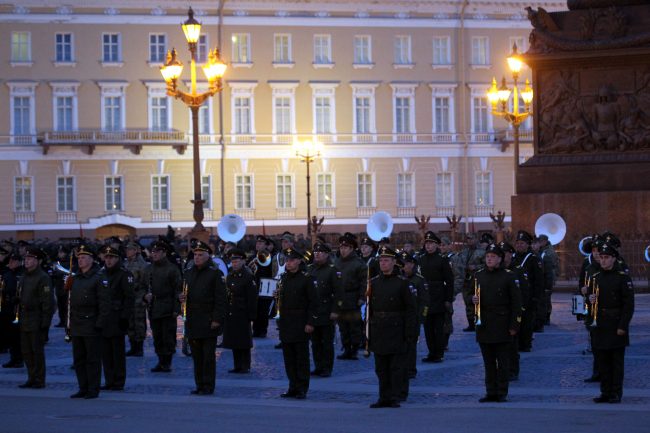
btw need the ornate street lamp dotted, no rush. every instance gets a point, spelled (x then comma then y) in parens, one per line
(213, 70)
(308, 151)
(499, 97)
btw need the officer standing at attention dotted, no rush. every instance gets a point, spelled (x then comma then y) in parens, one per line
(138, 321)
(498, 302)
(392, 315)
(611, 299)
(298, 303)
(90, 306)
(120, 288)
(205, 306)
(35, 313)
(527, 260)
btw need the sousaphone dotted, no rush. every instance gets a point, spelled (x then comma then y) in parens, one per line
(231, 228)
(380, 225)
(551, 225)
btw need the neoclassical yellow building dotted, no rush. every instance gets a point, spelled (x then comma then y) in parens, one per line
(395, 90)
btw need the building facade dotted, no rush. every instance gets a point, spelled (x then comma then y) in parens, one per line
(395, 91)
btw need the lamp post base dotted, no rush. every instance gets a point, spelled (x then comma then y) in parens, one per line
(199, 232)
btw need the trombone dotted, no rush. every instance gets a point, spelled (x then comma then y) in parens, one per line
(477, 307)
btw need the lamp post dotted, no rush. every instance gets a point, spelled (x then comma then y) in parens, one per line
(214, 70)
(308, 151)
(499, 96)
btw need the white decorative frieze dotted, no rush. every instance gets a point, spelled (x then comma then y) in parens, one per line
(20, 10)
(111, 11)
(158, 11)
(64, 10)
(322, 14)
(240, 13)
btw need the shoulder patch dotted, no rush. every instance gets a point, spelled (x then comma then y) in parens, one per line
(412, 289)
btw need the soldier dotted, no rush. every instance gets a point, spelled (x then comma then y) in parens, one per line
(58, 276)
(241, 310)
(90, 306)
(524, 258)
(327, 287)
(262, 270)
(392, 316)
(353, 275)
(611, 305)
(590, 267)
(436, 270)
(499, 304)
(137, 332)
(469, 261)
(35, 299)
(369, 256)
(551, 267)
(419, 288)
(120, 289)
(10, 330)
(205, 306)
(298, 303)
(164, 280)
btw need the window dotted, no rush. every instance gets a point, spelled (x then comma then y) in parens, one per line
(483, 188)
(402, 50)
(159, 113)
(64, 52)
(23, 194)
(402, 114)
(113, 94)
(325, 190)
(64, 110)
(322, 49)
(362, 50)
(444, 190)
(113, 114)
(244, 191)
(284, 187)
(282, 112)
(204, 118)
(441, 113)
(282, 48)
(111, 49)
(202, 49)
(206, 191)
(363, 111)
(403, 109)
(520, 41)
(160, 192)
(365, 190)
(113, 189)
(242, 115)
(65, 194)
(157, 47)
(22, 115)
(241, 48)
(442, 105)
(405, 190)
(480, 114)
(21, 47)
(362, 114)
(480, 50)
(441, 51)
(323, 115)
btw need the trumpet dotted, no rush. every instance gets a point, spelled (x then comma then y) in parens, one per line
(594, 306)
(19, 292)
(278, 295)
(68, 289)
(185, 300)
(477, 307)
(366, 353)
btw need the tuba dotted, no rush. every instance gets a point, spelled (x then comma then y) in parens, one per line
(380, 225)
(231, 228)
(646, 254)
(584, 246)
(551, 225)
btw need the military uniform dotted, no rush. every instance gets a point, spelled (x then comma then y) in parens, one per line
(392, 326)
(241, 310)
(120, 289)
(551, 264)
(261, 322)
(90, 306)
(298, 304)
(205, 305)
(327, 286)
(470, 260)
(138, 321)
(500, 314)
(164, 285)
(11, 331)
(532, 266)
(615, 307)
(36, 302)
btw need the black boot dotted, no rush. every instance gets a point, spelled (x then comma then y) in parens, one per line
(136, 348)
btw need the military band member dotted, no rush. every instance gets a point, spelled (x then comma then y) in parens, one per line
(298, 304)
(327, 287)
(499, 301)
(590, 267)
(392, 315)
(120, 289)
(263, 246)
(89, 310)
(36, 301)
(436, 271)
(532, 266)
(164, 286)
(551, 266)
(369, 256)
(11, 331)
(137, 332)
(206, 310)
(241, 310)
(470, 260)
(58, 276)
(611, 299)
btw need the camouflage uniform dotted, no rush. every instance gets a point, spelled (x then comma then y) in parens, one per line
(138, 321)
(468, 262)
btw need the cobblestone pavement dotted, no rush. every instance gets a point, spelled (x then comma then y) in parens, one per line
(551, 375)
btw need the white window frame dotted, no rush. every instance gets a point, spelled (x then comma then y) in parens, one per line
(201, 87)
(480, 91)
(22, 89)
(404, 90)
(283, 90)
(522, 45)
(292, 185)
(282, 42)
(438, 201)
(156, 89)
(443, 91)
(32, 191)
(206, 195)
(241, 52)
(242, 185)
(324, 90)
(73, 197)
(157, 61)
(166, 194)
(108, 45)
(362, 52)
(322, 61)
(202, 48)
(372, 186)
(475, 55)
(116, 89)
(402, 45)
(242, 89)
(121, 192)
(400, 191)
(64, 61)
(65, 89)
(19, 61)
(490, 186)
(441, 63)
(321, 204)
(364, 90)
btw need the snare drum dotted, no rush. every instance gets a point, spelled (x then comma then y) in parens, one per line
(578, 305)
(267, 287)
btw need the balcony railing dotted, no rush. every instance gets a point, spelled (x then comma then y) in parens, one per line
(22, 139)
(128, 136)
(285, 214)
(247, 214)
(327, 212)
(484, 210)
(208, 215)
(161, 215)
(445, 211)
(405, 212)
(24, 217)
(365, 212)
(66, 217)
(524, 135)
